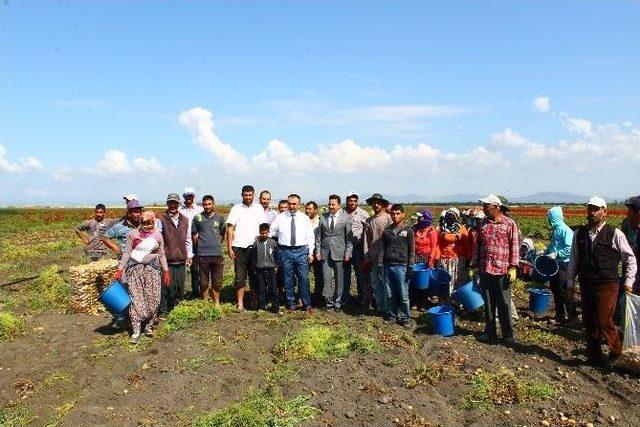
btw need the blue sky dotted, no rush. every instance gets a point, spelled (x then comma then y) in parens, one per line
(100, 98)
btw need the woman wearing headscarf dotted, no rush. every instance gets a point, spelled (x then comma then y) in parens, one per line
(426, 239)
(142, 262)
(452, 250)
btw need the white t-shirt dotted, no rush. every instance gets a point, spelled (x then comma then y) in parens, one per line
(246, 221)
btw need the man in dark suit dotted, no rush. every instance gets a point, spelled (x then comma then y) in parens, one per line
(334, 246)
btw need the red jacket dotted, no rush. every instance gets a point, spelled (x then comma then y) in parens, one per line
(426, 241)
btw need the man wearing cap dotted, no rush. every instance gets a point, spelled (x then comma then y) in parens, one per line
(496, 256)
(243, 225)
(190, 209)
(265, 202)
(358, 217)
(334, 246)
(371, 245)
(596, 253)
(631, 229)
(176, 232)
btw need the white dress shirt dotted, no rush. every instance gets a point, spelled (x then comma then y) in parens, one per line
(281, 229)
(246, 221)
(190, 212)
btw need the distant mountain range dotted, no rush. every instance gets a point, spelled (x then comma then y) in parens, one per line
(540, 197)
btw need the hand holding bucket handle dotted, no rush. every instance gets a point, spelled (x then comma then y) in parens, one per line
(167, 278)
(118, 275)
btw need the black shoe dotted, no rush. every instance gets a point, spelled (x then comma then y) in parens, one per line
(489, 339)
(509, 341)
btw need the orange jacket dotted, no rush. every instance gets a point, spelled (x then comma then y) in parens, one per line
(452, 245)
(426, 241)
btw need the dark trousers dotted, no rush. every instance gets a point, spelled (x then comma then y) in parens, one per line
(295, 265)
(267, 288)
(598, 307)
(195, 276)
(211, 274)
(362, 284)
(318, 282)
(497, 300)
(172, 295)
(558, 283)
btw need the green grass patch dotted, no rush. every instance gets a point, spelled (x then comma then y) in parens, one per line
(282, 372)
(504, 388)
(57, 377)
(187, 313)
(319, 342)
(223, 359)
(192, 363)
(11, 326)
(49, 291)
(16, 416)
(428, 373)
(533, 335)
(260, 409)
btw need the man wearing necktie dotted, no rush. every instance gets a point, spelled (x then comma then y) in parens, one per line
(334, 247)
(296, 240)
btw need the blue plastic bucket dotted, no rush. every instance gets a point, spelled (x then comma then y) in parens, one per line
(544, 267)
(539, 300)
(115, 297)
(441, 318)
(469, 296)
(421, 276)
(439, 282)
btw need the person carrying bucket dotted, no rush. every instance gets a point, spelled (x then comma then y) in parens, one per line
(597, 250)
(559, 249)
(142, 261)
(496, 255)
(452, 250)
(426, 240)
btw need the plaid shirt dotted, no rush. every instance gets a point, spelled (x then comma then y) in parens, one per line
(497, 248)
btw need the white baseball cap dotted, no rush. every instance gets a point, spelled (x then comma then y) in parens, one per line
(491, 199)
(189, 191)
(597, 201)
(352, 193)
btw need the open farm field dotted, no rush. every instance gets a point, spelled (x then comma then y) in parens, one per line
(216, 367)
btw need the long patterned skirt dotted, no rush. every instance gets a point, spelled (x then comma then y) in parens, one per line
(144, 288)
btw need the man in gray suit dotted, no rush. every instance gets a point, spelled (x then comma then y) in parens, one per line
(334, 246)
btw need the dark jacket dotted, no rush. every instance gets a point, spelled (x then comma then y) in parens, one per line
(598, 261)
(175, 238)
(398, 246)
(264, 254)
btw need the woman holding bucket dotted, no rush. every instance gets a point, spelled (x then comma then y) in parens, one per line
(560, 249)
(142, 261)
(452, 250)
(426, 240)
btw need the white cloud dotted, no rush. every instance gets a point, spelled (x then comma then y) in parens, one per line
(200, 123)
(25, 165)
(576, 125)
(508, 138)
(62, 174)
(116, 162)
(541, 104)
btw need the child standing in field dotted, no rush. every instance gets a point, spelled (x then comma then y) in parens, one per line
(264, 255)
(142, 261)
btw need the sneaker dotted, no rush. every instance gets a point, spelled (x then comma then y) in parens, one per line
(407, 324)
(148, 331)
(390, 320)
(134, 338)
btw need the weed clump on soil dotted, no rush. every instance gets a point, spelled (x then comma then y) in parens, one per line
(432, 373)
(320, 342)
(188, 312)
(11, 326)
(50, 290)
(16, 416)
(260, 409)
(503, 388)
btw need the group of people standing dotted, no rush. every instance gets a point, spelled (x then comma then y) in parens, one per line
(275, 251)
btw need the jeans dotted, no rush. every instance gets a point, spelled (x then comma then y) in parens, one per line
(267, 288)
(295, 264)
(355, 263)
(379, 289)
(397, 292)
(172, 295)
(334, 290)
(496, 294)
